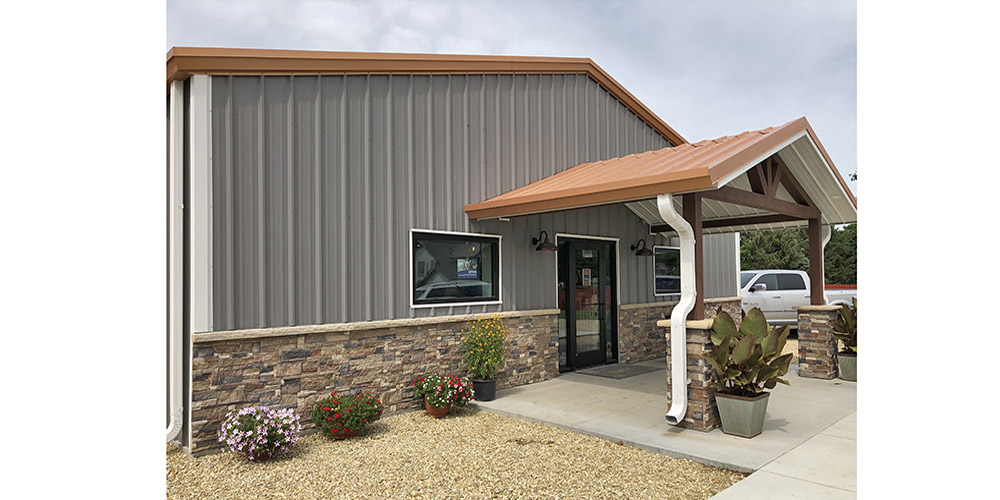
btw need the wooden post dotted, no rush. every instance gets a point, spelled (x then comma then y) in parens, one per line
(692, 213)
(816, 287)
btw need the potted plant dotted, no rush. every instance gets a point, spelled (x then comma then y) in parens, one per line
(845, 329)
(344, 416)
(484, 340)
(747, 360)
(440, 392)
(258, 432)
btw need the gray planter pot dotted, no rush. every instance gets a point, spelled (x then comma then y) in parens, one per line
(847, 364)
(742, 416)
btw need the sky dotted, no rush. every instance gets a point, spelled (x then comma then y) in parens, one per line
(707, 68)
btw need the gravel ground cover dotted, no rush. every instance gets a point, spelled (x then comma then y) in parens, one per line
(469, 454)
(792, 346)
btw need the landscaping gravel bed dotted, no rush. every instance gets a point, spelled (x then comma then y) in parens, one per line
(468, 454)
(792, 346)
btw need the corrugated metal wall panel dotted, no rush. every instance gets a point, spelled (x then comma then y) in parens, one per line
(721, 265)
(320, 179)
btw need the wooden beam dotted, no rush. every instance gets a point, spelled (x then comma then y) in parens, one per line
(772, 189)
(757, 180)
(771, 169)
(692, 214)
(817, 282)
(792, 185)
(753, 200)
(733, 222)
(747, 221)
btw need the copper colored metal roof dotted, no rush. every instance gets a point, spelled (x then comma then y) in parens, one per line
(686, 168)
(183, 62)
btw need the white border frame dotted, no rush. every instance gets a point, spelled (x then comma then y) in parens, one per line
(618, 280)
(499, 284)
(200, 186)
(742, 170)
(668, 247)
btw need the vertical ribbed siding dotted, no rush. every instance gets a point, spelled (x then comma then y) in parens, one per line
(721, 265)
(318, 181)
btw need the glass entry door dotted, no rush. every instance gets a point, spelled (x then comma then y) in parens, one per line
(587, 303)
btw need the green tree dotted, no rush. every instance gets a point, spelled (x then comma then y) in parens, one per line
(841, 256)
(777, 249)
(789, 249)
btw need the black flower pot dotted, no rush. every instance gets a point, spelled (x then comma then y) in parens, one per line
(484, 390)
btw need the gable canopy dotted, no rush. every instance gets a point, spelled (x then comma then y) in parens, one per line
(762, 179)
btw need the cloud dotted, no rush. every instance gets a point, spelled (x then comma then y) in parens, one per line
(708, 68)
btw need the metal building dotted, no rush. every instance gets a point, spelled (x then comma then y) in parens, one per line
(325, 188)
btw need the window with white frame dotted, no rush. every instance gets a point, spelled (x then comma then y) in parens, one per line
(666, 270)
(451, 268)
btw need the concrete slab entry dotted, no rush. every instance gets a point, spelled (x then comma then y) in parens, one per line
(823, 459)
(768, 485)
(632, 410)
(845, 428)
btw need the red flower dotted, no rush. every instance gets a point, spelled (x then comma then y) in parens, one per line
(334, 431)
(337, 415)
(348, 409)
(328, 418)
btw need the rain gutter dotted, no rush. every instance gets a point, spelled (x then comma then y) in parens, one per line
(678, 317)
(175, 259)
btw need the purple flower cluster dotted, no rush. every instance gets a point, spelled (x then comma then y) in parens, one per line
(258, 431)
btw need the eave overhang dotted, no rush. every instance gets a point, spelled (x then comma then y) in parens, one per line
(699, 167)
(182, 62)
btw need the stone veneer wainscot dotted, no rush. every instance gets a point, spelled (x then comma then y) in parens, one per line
(639, 338)
(293, 367)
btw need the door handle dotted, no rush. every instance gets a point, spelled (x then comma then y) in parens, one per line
(776, 296)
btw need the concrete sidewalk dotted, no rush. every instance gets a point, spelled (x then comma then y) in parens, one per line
(807, 449)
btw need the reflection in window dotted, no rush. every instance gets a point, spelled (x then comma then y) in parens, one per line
(455, 268)
(791, 282)
(667, 270)
(770, 280)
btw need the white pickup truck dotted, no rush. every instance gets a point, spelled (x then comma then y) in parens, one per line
(778, 291)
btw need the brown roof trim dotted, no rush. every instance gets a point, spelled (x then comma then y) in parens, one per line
(686, 168)
(183, 62)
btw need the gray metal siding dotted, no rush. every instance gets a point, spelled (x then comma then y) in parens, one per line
(318, 180)
(721, 257)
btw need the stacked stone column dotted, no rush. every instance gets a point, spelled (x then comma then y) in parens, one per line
(702, 412)
(817, 345)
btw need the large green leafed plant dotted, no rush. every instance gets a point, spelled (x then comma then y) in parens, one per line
(747, 359)
(845, 328)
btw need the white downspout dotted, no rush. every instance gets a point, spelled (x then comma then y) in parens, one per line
(827, 232)
(678, 317)
(175, 257)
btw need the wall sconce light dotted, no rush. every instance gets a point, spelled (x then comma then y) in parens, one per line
(643, 251)
(543, 245)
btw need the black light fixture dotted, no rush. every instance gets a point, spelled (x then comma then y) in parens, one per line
(543, 245)
(643, 251)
